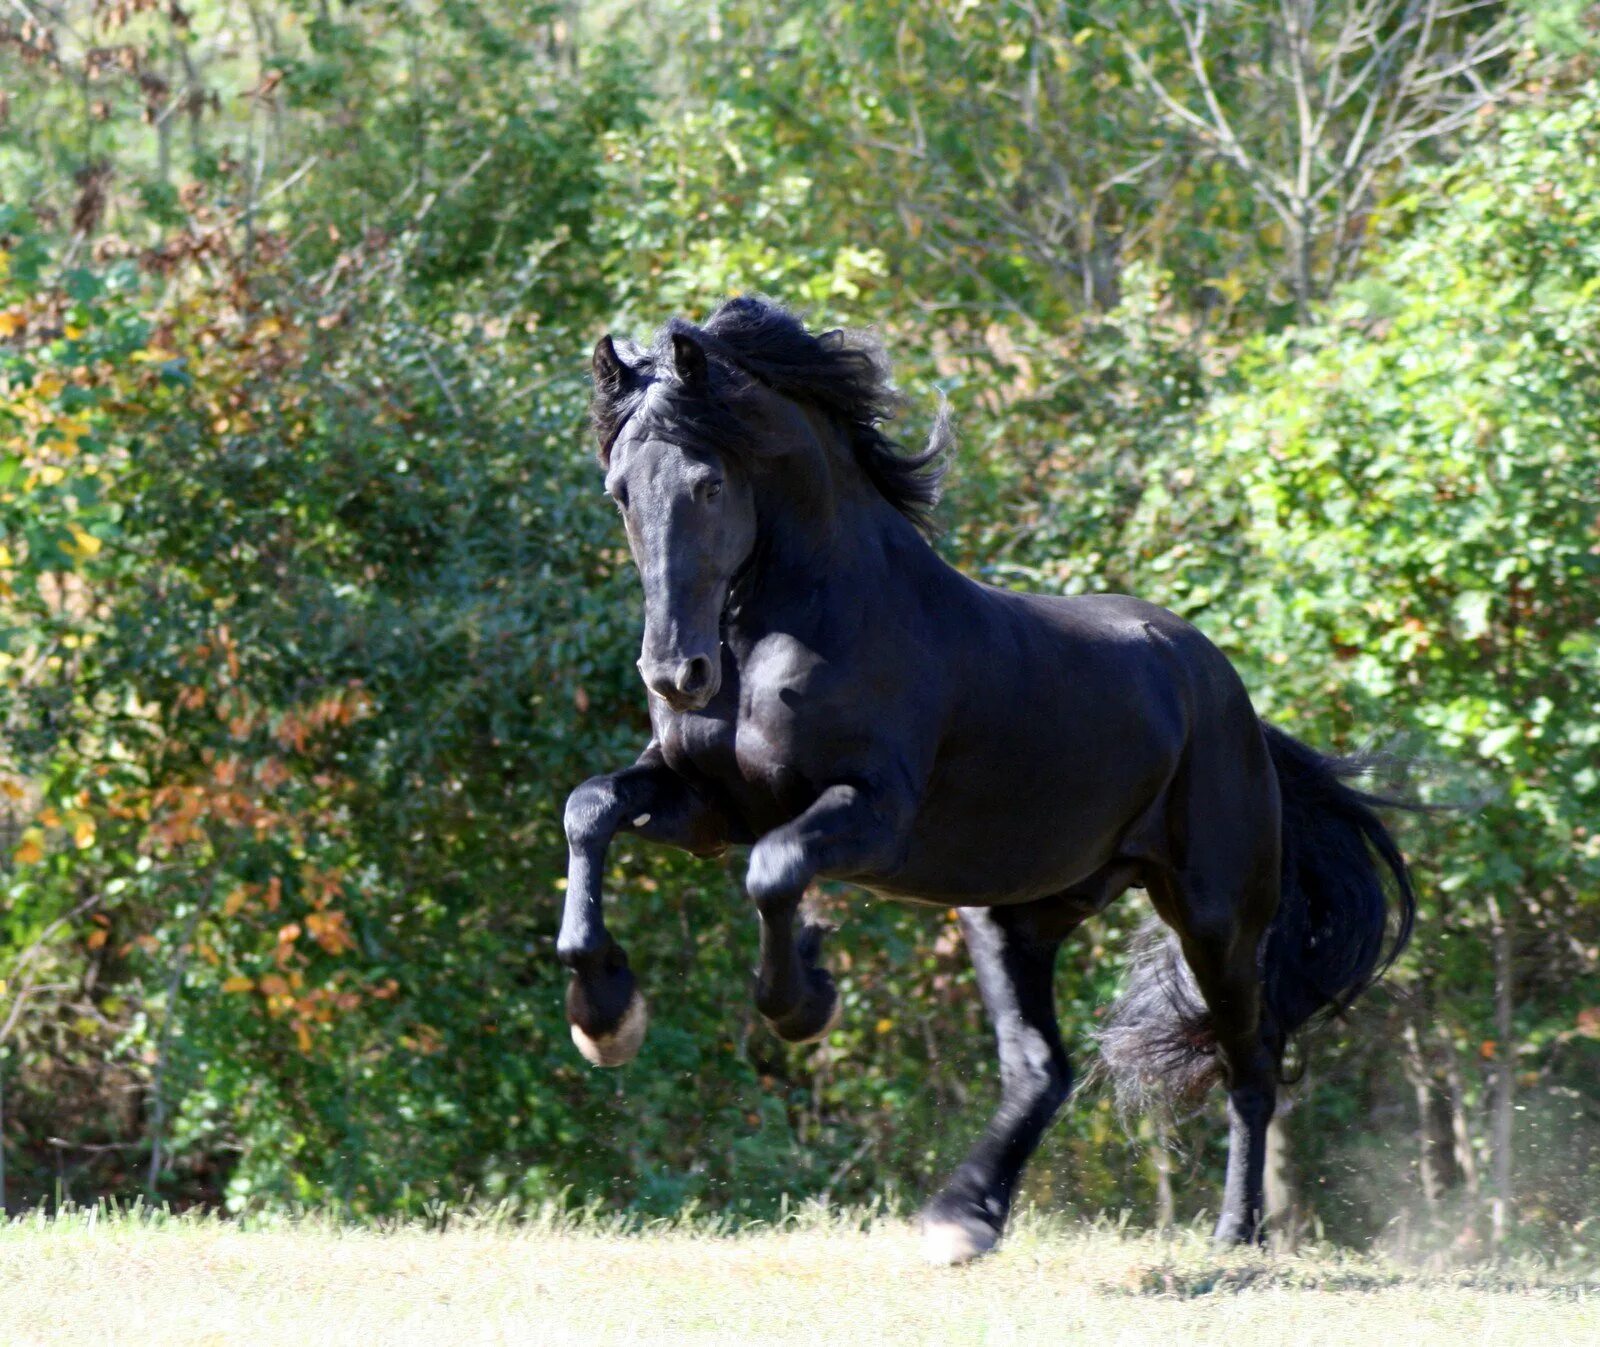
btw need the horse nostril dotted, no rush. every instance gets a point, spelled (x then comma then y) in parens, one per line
(694, 676)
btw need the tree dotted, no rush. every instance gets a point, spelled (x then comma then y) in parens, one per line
(1313, 102)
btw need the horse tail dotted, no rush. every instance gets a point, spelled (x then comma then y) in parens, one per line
(1337, 930)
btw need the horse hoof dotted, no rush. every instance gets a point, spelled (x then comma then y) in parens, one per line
(796, 1028)
(829, 1025)
(948, 1243)
(622, 1044)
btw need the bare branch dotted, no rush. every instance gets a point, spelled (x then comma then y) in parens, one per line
(1347, 89)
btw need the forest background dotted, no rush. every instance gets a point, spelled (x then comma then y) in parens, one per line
(1285, 315)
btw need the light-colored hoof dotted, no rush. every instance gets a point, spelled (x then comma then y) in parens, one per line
(947, 1243)
(621, 1046)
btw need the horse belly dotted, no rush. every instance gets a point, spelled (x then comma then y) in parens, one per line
(1018, 816)
(1006, 861)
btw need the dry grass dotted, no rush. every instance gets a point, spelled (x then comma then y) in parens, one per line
(93, 1278)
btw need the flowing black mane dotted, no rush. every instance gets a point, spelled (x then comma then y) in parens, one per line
(750, 340)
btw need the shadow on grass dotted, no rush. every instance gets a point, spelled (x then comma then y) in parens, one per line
(1182, 1278)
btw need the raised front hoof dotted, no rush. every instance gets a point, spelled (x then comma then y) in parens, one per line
(815, 1018)
(622, 1044)
(948, 1241)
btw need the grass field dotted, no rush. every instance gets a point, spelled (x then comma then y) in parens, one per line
(90, 1278)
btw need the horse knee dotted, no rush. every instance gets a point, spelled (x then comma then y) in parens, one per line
(777, 876)
(588, 811)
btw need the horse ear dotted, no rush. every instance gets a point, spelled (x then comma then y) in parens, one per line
(689, 360)
(609, 371)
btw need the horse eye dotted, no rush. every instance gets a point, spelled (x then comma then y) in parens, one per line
(713, 490)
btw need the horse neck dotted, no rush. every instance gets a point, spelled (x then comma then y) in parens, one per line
(824, 528)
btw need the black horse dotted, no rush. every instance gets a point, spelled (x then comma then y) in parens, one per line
(827, 690)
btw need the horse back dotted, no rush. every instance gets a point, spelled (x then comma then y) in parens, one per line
(1068, 721)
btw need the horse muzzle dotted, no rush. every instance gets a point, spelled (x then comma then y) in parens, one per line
(684, 684)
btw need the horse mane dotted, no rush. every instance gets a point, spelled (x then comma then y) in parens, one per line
(750, 340)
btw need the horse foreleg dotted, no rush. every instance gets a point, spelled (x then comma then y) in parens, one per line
(846, 831)
(607, 1014)
(1013, 950)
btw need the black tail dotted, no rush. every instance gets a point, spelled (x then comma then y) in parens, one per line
(1336, 931)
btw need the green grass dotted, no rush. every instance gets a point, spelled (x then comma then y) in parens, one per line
(142, 1278)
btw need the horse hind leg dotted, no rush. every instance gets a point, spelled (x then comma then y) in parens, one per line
(1013, 950)
(1220, 917)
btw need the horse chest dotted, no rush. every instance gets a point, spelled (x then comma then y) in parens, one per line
(750, 744)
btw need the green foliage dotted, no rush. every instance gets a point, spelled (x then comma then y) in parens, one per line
(1393, 522)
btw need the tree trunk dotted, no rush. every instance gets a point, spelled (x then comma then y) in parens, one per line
(1302, 261)
(1436, 1159)
(1501, 1211)
(1161, 1157)
(1282, 1200)
(1460, 1128)
(1468, 1237)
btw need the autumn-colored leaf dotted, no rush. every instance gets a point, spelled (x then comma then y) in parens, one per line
(331, 931)
(84, 544)
(31, 849)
